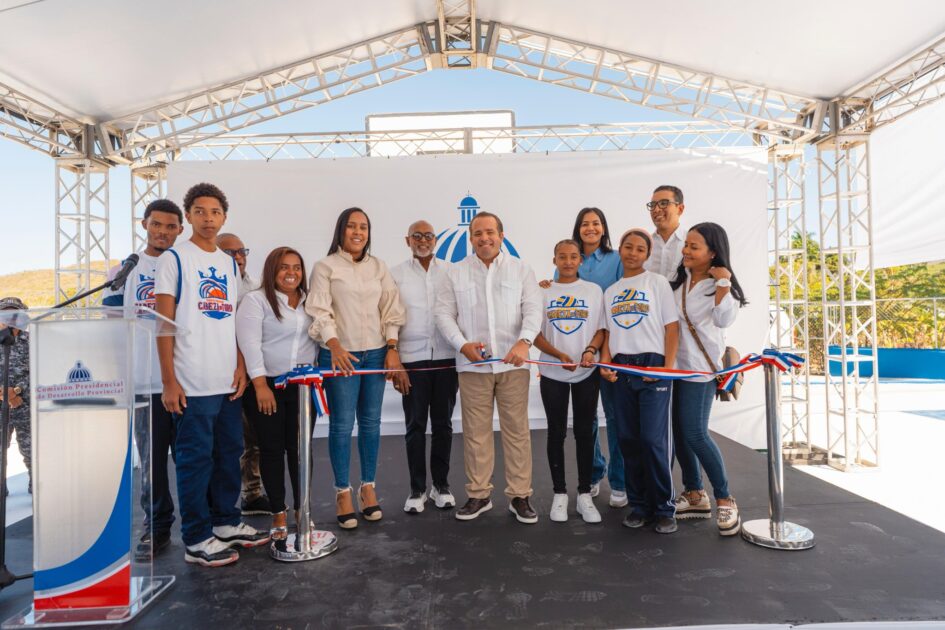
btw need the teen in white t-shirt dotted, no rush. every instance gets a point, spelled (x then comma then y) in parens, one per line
(643, 330)
(572, 331)
(163, 223)
(202, 372)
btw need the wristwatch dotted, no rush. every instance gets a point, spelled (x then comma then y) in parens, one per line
(723, 283)
(526, 342)
(392, 346)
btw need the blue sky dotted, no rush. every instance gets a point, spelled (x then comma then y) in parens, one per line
(27, 193)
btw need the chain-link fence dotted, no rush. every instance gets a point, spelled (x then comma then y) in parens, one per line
(900, 323)
(911, 322)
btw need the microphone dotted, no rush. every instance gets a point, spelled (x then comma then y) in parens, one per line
(126, 266)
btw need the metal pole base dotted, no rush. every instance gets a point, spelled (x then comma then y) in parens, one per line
(788, 536)
(321, 544)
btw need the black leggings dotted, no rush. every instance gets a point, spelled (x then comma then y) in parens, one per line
(554, 396)
(278, 437)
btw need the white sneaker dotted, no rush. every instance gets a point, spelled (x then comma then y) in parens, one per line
(241, 535)
(415, 503)
(587, 509)
(443, 500)
(618, 498)
(211, 553)
(595, 489)
(559, 508)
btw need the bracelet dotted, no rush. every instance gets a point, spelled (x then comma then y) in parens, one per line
(591, 349)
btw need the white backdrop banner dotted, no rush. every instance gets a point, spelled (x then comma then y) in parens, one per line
(537, 196)
(908, 189)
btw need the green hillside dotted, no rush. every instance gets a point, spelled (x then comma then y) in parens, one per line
(37, 287)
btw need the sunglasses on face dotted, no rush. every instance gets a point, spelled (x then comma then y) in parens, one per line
(234, 252)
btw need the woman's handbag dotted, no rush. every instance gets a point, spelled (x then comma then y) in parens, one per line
(729, 358)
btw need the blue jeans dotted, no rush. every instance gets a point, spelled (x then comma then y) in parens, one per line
(643, 425)
(208, 446)
(615, 475)
(692, 403)
(350, 397)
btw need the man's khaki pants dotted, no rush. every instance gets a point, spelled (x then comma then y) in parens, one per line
(508, 390)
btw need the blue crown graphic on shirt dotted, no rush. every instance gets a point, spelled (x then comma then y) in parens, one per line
(213, 276)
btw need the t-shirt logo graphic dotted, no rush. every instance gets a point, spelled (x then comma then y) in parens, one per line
(144, 293)
(629, 308)
(566, 313)
(213, 295)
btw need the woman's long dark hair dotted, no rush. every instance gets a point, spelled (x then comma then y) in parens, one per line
(271, 268)
(716, 239)
(604, 239)
(339, 235)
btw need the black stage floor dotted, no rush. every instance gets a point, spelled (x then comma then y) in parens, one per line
(432, 571)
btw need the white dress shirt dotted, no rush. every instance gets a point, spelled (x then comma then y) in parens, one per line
(247, 284)
(709, 321)
(495, 305)
(272, 347)
(420, 339)
(665, 256)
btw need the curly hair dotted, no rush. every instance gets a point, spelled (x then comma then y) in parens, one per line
(204, 189)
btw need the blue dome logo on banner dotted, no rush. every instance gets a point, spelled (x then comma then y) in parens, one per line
(453, 244)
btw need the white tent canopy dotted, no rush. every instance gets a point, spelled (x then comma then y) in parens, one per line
(110, 58)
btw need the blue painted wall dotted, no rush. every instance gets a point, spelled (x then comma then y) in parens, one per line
(897, 363)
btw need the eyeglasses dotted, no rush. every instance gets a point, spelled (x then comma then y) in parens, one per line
(423, 236)
(233, 252)
(662, 204)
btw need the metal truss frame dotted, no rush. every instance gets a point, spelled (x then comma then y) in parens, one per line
(525, 139)
(790, 307)
(148, 134)
(848, 300)
(456, 36)
(147, 184)
(38, 126)
(650, 83)
(82, 209)
(911, 84)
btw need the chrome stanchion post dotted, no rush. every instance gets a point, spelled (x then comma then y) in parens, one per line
(774, 532)
(306, 543)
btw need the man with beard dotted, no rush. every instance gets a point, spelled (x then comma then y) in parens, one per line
(425, 393)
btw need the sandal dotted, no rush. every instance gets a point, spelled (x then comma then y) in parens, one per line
(279, 531)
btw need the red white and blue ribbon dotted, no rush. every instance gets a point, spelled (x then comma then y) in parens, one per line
(783, 361)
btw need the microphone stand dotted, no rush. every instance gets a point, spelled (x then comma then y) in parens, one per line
(7, 577)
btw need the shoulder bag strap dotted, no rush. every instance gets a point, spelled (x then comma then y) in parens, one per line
(692, 329)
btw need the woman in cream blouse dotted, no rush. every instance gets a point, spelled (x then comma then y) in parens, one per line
(356, 313)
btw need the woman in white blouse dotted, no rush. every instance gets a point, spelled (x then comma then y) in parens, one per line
(357, 316)
(272, 330)
(707, 296)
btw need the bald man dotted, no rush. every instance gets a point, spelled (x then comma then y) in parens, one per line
(431, 393)
(252, 499)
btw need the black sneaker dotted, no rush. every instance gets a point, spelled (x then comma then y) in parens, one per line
(665, 525)
(241, 535)
(473, 508)
(259, 505)
(636, 520)
(151, 547)
(523, 511)
(211, 553)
